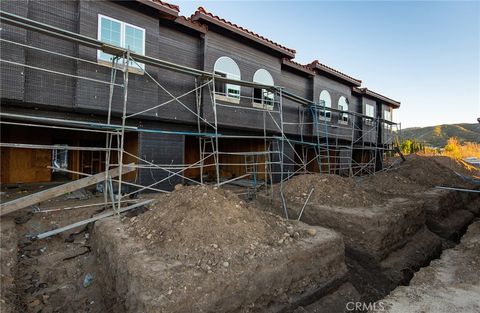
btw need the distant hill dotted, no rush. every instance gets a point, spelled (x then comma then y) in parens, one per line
(436, 136)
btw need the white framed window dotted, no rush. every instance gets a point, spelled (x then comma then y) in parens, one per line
(325, 100)
(120, 34)
(387, 115)
(343, 106)
(263, 98)
(370, 113)
(226, 67)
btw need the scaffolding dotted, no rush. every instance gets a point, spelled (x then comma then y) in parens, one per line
(347, 147)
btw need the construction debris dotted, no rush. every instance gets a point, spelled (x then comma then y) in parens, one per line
(29, 200)
(90, 220)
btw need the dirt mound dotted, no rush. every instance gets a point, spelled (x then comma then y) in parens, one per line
(418, 174)
(431, 171)
(458, 166)
(390, 183)
(209, 227)
(330, 190)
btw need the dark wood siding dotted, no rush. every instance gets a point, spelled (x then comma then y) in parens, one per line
(12, 82)
(160, 149)
(142, 91)
(184, 49)
(336, 90)
(294, 112)
(49, 89)
(164, 40)
(357, 106)
(249, 60)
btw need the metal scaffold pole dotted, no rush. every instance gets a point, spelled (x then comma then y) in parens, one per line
(198, 101)
(282, 152)
(215, 146)
(108, 136)
(126, 60)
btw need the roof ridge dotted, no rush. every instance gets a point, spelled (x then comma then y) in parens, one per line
(202, 10)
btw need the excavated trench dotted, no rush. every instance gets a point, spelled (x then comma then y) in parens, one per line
(447, 217)
(383, 246)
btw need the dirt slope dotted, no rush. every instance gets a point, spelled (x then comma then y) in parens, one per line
(203, 224)
(449, 284)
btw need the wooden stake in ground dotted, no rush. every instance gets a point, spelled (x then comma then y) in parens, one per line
(29, 200)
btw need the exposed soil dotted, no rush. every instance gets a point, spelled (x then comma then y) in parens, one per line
(391, 183)
(458, 166)
(449, 284)
(334, 302)
(386, 243)
(204, 249)
(330, 190)
(8, 258)
(208, 237)
(48, 274)
(418, 174)
(204, 227)
(431, 171)
(412, 177)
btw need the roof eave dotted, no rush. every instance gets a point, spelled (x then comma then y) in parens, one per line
(377, 96)
(297, 67)
(190, 24)
(352, 81)
(202, 16)
(165, 11)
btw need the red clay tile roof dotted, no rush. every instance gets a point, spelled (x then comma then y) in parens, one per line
(202, 12)
(317, 65)
(191, 24)
(165, 9)
(168, 5)
(298, 66)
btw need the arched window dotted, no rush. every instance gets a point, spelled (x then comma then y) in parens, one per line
(325, 100)
(343, 105)
(226, 67)
(263, 96)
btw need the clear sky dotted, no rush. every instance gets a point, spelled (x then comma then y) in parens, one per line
(424, 54)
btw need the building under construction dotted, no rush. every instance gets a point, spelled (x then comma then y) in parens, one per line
(103, 100)
(90, 85)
